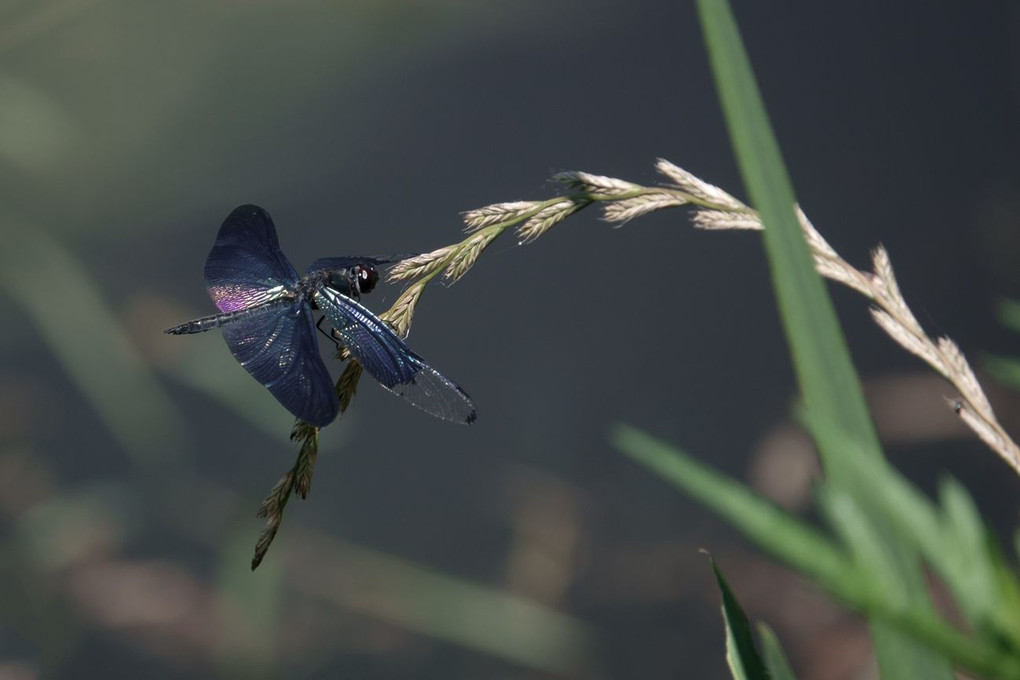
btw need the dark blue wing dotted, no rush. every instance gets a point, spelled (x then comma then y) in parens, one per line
(389, 360)
(246, 266)
(275, 342)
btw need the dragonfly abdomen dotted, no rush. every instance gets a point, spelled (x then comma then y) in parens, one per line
(217, 320)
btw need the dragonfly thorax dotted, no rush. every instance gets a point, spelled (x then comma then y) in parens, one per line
(353, 281)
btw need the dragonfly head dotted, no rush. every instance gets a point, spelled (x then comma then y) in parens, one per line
(352, 280)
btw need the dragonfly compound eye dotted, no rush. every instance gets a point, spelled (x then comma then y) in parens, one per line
(367, 278)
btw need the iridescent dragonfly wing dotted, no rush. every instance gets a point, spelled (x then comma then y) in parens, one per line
(276, 343)
(389, 360)
(246, 266)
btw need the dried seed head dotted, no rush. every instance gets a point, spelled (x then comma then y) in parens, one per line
(698, 188)
(995, 438)
(724, 219)
(962, 375)
(347, 384)
(595, 184)
(917, 346)
(626, 209)
(399, 315)
(419, 265)
(544, 219)
(839, 271)
(305, 466)
(467, 252)
(496, 213)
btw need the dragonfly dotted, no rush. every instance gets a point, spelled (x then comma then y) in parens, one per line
(267, 318)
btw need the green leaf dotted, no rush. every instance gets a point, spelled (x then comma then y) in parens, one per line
(1008, 619)
(102, 363)
(249, 646)
(1008, 313)
(775, 530)
(745, 664)
(862, 581)
(871, 554)
(965, 558)
(1004, 369)
(422, 599)
(828, 382)
(953, 541)
(820, 354)
(775, 660)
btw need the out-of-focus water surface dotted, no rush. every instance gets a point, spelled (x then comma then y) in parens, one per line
(132, 463)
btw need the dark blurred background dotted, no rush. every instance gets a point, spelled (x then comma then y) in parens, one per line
(132, 463)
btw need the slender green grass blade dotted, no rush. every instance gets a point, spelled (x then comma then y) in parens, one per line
(1008, 312)
(250, 609)
(828, 383)
(775, 660)
(1008, 621)
(487, 620)
(965, 563)
(776, 531)
(870, 552)
(969, 563)
(742, 657)
(863, 580)
(1004, 369)
(821, 358)
(953, 540)
(87, 339)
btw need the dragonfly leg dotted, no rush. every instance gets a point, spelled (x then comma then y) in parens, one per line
(331, 334)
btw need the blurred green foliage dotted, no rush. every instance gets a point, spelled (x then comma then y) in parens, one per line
(882, 525)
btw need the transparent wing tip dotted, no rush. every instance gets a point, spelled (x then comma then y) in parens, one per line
(437, 395)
